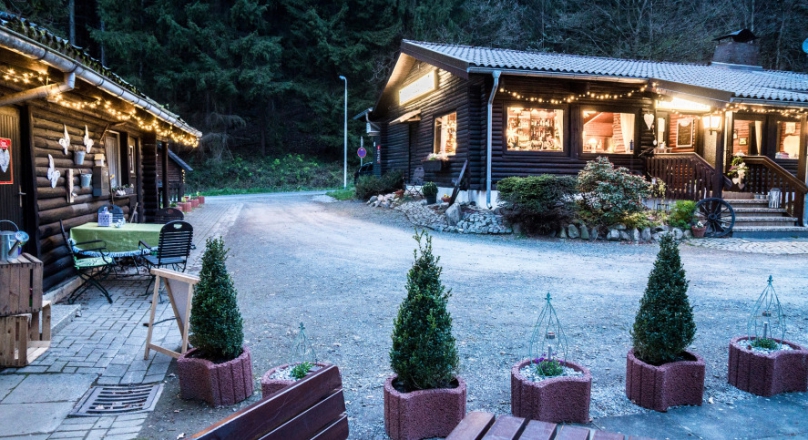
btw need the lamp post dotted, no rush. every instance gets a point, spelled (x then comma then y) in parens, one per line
(345, 142)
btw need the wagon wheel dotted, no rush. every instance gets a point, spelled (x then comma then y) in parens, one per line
(718, 216)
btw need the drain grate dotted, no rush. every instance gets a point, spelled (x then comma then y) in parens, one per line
(114, 400)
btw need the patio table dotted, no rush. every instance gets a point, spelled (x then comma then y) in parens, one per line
(120, 242)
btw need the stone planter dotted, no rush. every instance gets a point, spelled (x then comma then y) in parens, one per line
(201, 199)
(660, 387)
(194, 203)
(556, 400)
(217, 384)
(272, 386)
(185, 206)
(767, 374)
(423, 413)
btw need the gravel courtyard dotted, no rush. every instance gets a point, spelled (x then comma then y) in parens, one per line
(341, 267)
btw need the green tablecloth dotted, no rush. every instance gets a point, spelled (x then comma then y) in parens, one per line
(121, 239)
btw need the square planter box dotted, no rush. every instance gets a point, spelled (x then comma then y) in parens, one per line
(660, 387)
(767, 374)
(556, 400)
(423, 413)
(432, 165)
(221, 384)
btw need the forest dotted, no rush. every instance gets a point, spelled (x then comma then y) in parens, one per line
(261, 77)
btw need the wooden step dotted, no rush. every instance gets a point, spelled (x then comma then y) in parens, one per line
(764, 221)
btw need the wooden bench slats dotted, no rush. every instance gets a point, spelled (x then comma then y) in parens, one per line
(336, 431)
(311, 421)
(251, 423)
(537, 430)
(605, 435)
(506, 428)
(571, 433)
(473, 426)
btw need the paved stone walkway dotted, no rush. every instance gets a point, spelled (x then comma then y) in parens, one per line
(104, 346)
(791, 246)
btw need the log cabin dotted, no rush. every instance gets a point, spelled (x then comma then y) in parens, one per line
(517, 113)
(70, 130)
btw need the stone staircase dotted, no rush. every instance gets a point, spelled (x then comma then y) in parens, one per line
(754, 219)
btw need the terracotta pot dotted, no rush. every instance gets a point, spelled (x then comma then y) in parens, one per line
(272, 386)
(660, 387)
(446, 199)
(399, 192)
(217, 384)
(698, 232)
(423, 413)
(555, 400)
(767, 374)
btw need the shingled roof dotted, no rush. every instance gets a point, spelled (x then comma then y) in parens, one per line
(753, 84)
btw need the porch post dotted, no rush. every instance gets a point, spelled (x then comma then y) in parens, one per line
(801, 162)
(164, 175)
(718, 182)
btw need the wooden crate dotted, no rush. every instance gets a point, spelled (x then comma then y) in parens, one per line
(21, 286)
(22, 340)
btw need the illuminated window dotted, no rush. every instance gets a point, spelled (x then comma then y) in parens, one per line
(607, 132)
(788, 140)
(446, 134)
(534, 129)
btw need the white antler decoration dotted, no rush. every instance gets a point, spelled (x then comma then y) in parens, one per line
(65, 141)
(87, 141)
(53, 173)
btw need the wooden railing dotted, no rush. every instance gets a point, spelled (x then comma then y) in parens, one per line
(687, 176)
(763, 174)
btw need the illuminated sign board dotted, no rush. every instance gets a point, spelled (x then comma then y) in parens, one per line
(682, 104)
(420, 87)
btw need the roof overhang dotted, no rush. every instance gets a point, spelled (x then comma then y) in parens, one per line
(563, 75)
(701, 95)
(412, 116)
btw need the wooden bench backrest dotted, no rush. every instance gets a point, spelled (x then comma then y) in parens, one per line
(312, 408)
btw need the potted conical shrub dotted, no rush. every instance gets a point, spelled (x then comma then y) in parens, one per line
(218, 369)
(660, 372)
(425, 397)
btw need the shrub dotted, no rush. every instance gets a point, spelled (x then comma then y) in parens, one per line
(430, 189)
(609, 194)
(424, 355)
(540, 203)
(681, 215)
(639, 220)
(368, 186)
(664, 324)
(216, 325)
(301, 370)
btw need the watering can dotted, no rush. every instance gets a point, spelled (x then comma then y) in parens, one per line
(10, 244)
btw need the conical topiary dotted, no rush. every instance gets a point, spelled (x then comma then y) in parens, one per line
(664, 324)
(424, 355)
(216, 325)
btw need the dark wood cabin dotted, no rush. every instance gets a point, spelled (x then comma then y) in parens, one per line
(551, 113)
(51, 91)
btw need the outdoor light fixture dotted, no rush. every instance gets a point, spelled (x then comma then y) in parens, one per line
(345, 142)
(713, 122)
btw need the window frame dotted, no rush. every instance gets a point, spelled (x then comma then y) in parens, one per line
(637, 111)
(435, 118)
(565, 131)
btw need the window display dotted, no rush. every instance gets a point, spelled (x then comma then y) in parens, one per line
(607, 132)
(446, 134)
(534, 129)
(788, 136)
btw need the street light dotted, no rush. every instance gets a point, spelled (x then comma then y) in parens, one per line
(345, 142)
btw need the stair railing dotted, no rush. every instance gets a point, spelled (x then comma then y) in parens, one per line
(763, 174)
(687, 176)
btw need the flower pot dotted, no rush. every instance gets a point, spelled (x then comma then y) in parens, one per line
(423, 413)
(431, 199)
(271, 386)
(555, 400)
(698, 232)
(767, 374)
(446, 199)
(432, 165)
(221, 384)
(86, 180)
(659, 387)
(399, 192)
(78, 157)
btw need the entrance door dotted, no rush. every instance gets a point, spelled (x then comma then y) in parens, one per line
(10, 168)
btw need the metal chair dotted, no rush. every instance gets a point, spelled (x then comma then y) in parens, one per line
(92, 270)
(416, 183)
(166, 215)
(117, 212)
(174, 248)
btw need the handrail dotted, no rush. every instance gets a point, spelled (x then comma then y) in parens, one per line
(777, 169)
(763, 174)
(686, 175)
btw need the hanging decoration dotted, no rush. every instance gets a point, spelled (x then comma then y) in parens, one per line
(88, 143)
(53, 173)
(649, 120)
(65, 141)
(5, 154)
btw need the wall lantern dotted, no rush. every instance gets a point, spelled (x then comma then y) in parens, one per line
(713, 123)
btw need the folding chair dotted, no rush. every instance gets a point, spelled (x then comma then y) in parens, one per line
(416, 183)
(93, 270)
(174, 248)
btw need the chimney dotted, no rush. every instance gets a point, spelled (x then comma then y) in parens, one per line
(737, 50)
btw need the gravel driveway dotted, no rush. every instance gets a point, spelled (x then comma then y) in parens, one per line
(341, 267)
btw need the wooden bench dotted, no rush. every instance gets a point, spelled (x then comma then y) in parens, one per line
(482, 426)
(312, 408)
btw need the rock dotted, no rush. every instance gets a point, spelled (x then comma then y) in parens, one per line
(562, 233)
(620, 227)
(635, 235)
(594, 234)
(677, 234)
(614, 234)
(572, 231)
(662, 228)
(453, 214)
(688, 234)
(584, 232)
(656, 236)
(646, 234)
(372, 199)
(624, 236)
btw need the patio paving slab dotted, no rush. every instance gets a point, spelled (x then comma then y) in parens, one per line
(32, 418)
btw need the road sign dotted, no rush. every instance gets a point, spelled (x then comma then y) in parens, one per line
(361, 152)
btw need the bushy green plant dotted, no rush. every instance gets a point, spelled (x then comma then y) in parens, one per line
(639, 220)
(368, 186)
(681, 215)
(664, 324)
(424, 355)
(429, 189)
(342, 194)
(765, 343)
(549, 368)
(216, 325)
(301, 370)
(540, 203)
(609, 194)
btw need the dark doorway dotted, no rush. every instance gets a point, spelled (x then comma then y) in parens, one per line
(11, 203)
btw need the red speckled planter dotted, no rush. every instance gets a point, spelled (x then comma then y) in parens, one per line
(423, 413)
(660, 387)
(201, 199)
(218, 384)
(185, 206)
(767, 374)
(272, 386)
(556, 400)
(194, 203)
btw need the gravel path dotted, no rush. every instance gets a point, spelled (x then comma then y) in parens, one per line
(341, 269)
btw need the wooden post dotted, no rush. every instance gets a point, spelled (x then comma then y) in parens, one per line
(718, 184)
(164, 175)
(801, 163)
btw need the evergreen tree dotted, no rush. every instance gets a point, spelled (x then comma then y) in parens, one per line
(216, 325)
(664, 325)
(424, 355)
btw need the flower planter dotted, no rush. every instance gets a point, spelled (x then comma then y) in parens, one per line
(423, 413)
(556, 400)
(767, 374)
(698, 232)
(184, 206)
(194, 203)
(217, 384)
(431, 199)
(271, 386)
(432, 165)
(660, 387)
(201, 199)
(445, 199)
